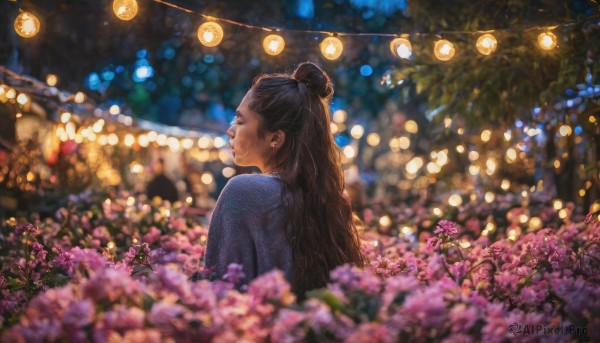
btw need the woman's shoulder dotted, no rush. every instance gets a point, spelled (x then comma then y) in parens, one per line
(253, 188)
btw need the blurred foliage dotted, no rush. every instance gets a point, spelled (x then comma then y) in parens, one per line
(519, 76)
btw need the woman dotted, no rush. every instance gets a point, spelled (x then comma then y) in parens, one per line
(293, 216)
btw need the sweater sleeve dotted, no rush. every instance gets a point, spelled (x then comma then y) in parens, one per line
(241, 228)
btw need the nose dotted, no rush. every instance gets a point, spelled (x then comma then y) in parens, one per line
(231, 131)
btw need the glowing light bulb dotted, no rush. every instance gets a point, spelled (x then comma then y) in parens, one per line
(79, 97)
(547, 40)
(444, 50)
(357, 131)
(22, 99)
(373, 139)
(27, 25)
(273, 44)
(455, 200)
(331, 48)
(51, 80)
(401, 47)
(125, 9)
(210, 34)
(129, 140)
(486, 44)
(411, 126)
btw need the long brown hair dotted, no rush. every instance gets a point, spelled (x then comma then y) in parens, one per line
(322, 233)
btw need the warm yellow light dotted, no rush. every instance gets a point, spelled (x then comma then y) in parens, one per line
(187, 143)
(385, 221)
(505, 185)
(11, 93)
(357, 131)
(473, 156)
(433, 168)
(565, 130)
(490, 165)
(203, 142)
(113, 139)
(339, 116)
(173, 144)
(210, 34)
(130, 201)
(97, 127)
(489, 197)
(65, 117)
(438, 212)
(401, 48)
(455, 200)
(219, 142)
(523, 218)
(207, 178)
(486, 135)
(349, 152)
(51, 80)
(486, 44)
(562, 214)
(161, 139)
(507, 135)
(556, 164)
(511, 155)
(125, 9)
(152, 136)
(557, 204)
(473, 169)
(79, 97)
(228, 172)
(18, 114)
(460, 148)
(592, 119)
(444, 50)
(373, 139)
(547, 40)
(143, 140)
(136, 167)
(129, 140)
(273, 44)
(582, 192)
(411, 126)
(22, 99)
(414, 165)
(331, 48)
(535, 223)
(27, 25)
(404, 142)
(114, 109)
(460, 131)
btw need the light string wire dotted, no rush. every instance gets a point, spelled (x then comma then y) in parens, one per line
(448, 32)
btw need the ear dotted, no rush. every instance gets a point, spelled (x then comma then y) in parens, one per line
(277, 139)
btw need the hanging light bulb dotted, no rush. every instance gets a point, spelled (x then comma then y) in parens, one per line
(444, 50)
(331, 48)
(273, 44)
(210, 34)
(125, 9)
(547, 40)
(27, 25)
(486, 44)
(401, 47)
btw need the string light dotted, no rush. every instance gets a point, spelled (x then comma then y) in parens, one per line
(486, 44)
(210, 34)
(444, 50)
(273, 44)
(401, 48)
(79, 97)
(125, 9)
(51, 80)
(547, 40)
(332, 48)
(22, 99)
(27, 25)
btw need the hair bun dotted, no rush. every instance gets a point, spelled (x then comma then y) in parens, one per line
(315, 78)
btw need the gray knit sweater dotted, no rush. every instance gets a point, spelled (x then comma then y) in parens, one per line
(246, 227)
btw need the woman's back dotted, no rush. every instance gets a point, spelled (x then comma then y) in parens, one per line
(247, 227)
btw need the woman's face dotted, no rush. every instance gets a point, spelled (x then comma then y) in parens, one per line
(247, 148)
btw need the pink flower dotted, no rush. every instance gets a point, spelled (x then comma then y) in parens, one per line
(446, 227)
